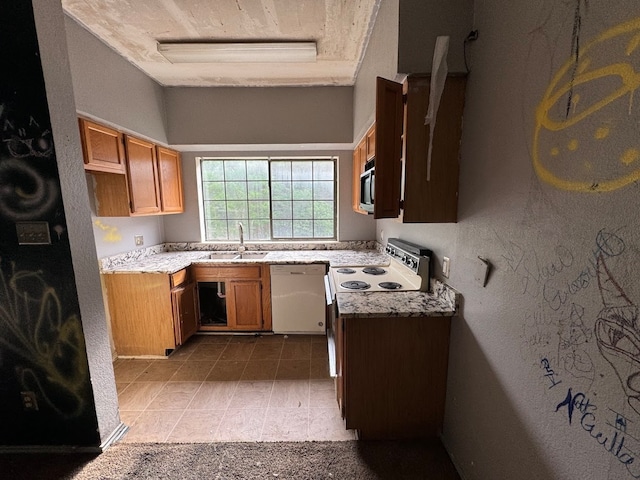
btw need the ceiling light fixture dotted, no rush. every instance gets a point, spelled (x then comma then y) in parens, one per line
(248, 52)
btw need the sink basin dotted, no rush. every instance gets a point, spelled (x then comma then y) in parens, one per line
(251, 255)
(224, 255)
(237, 255)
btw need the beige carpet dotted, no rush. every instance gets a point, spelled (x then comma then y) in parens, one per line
(281, 460)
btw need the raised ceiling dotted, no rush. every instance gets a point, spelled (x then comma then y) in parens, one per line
(133, 29)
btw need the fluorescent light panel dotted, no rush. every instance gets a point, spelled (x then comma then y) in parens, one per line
(271, 52)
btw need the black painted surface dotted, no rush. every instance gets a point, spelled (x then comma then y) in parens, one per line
(42, 346)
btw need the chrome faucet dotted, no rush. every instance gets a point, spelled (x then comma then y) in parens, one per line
(241, 248)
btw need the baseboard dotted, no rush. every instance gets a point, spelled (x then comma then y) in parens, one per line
(453, 459)
(116, 435)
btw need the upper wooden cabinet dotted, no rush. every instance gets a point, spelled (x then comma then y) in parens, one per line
(363, 152)
(149, 182)
(102, 148)
(170, 180)
(142, 168)
(425, 198)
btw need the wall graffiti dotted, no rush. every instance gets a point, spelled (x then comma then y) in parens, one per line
(112, 235)
(51, 347)
(583, 138)
(27, 191)
(42, 348)
(588, 324)
(618, 334)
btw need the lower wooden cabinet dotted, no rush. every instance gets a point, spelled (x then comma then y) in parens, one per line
(185, 315)
(392, 375)
(234, 297)
(151, 314)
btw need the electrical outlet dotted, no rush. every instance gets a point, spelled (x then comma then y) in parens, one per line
(139, 239)
(446, 265)
(29, 401)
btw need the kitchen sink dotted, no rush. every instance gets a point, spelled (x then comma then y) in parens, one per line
(251, 255)
(238, 255)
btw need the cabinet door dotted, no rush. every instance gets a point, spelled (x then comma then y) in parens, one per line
(244, 304)
(184, 311)
(388, 147)
(170, 178)
(143, 176)
(141, 313)
(101, 148)
(359, 159)
(435, 200)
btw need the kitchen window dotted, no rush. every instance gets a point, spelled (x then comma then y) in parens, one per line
(274, 198)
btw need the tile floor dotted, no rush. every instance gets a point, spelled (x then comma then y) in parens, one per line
(219, 388)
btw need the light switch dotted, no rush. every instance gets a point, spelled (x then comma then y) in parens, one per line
(33, 233)
(481, 271)
(446, 265)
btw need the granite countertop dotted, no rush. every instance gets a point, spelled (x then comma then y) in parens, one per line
(168, 262)
(443, 302)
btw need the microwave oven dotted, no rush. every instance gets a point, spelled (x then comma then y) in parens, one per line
(367, 190)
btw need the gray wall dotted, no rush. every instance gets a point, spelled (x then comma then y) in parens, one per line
(207, 116)
(421, 21)
(57, 74)
(381, 59)
(531, 336)
(112, 91)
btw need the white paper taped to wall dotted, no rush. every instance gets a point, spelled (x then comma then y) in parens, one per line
(439, 72)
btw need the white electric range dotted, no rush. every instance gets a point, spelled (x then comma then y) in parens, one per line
(408, 269)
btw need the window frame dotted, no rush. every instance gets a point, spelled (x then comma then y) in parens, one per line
(269, 158)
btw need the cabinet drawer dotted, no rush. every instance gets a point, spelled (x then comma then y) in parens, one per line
(206, 273)
(179, 278)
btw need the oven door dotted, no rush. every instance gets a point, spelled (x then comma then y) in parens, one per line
(331, 325)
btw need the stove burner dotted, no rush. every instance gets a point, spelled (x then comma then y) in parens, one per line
(374, 271)
(355, 285)
(390, 285)
(348, 271)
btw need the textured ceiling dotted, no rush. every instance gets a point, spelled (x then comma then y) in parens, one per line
(132, 28)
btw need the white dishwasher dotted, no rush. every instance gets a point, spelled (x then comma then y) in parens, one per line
(298, 302)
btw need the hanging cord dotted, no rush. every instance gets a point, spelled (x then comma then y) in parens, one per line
(473, 36)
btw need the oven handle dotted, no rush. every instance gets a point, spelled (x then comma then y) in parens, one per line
(327, 290)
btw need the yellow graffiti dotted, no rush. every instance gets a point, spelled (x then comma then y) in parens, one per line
(112, 235)
(51, 347)
(599, 82)
(601, 133)
(630, 156)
